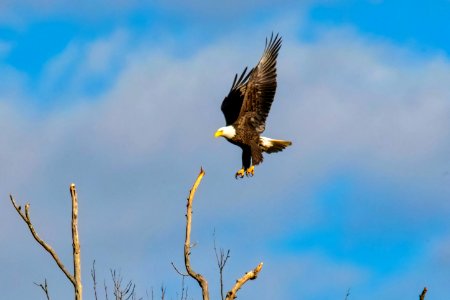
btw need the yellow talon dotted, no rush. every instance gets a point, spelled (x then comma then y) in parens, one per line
(240, 173)
(250, 171)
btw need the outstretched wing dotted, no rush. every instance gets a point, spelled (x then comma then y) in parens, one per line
(261, 86)
(231, 105)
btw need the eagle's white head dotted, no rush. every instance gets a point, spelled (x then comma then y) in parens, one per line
(228, 131)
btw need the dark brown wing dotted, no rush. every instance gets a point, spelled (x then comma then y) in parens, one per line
(261, 86)
(231, 105)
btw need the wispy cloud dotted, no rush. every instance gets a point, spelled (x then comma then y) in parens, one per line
(85, 67)
(4, 48)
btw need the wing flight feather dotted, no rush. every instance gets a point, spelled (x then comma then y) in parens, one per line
(231, 105)
(261, 86)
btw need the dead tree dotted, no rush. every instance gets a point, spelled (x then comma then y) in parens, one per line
(75, 279)
(201, 280)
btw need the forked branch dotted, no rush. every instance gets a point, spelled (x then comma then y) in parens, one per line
(26, 218)
(76, 278)
(221, 260)
(44, 288)
(187, 251)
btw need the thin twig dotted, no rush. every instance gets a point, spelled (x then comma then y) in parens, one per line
(184, 290)
(424, 292)
(347, 294)
(94, 279)
(44, 287)
(163, 292)
(187, 244)
(221, 262)
(240, 282)
(26, 218)
(178, 271)
(120, 292)
(106, 290)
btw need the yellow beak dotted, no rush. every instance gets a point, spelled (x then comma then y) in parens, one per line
(218, 133)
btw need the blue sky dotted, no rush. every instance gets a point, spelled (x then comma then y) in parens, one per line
(123, 99)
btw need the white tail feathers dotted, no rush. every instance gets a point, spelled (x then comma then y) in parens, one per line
(271, 146)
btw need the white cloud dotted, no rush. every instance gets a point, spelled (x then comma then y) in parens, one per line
(352, 99)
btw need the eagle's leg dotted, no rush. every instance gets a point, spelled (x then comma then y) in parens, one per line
(250, 171)
(246, 161)
(240, 173)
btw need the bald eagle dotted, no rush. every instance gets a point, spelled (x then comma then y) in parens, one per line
(247, 106)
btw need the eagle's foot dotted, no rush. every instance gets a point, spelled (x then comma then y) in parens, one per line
(250, 171)
(240, 174)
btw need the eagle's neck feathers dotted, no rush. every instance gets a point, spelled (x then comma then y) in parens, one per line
(228, 131)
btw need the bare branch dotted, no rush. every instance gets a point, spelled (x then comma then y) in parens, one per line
(44, 287)
(187, 244)
(106, 290)
(26, 218)
(178, 271)
(347, 294)
(76, 278)
(76, 244)
(94, 279)
(163, 292)
(240, 282)
(184, 290)
(221, 262)
(424, 292)
(120, 292)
